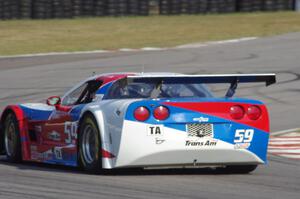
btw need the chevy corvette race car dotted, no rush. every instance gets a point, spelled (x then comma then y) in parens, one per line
(143, 120)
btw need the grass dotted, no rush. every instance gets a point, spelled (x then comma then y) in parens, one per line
(40, 36)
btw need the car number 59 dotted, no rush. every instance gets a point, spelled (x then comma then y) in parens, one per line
(243, 135)
(70, 131)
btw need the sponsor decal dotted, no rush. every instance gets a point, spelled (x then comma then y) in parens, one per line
(33, 152)
(201, 119)
(58, 153)
(47, 155)
(35, 155)
(38, 128)
(200, 130)
(199, 133)
(242, 146)
(201, 143)
(54, 135)
(159, 141)
(155, 130)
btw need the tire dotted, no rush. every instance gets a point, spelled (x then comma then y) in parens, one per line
(12, 141)
(238, 169)
(89, 146)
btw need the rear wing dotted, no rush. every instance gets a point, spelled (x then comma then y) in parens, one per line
(232, 79)
(269, 78)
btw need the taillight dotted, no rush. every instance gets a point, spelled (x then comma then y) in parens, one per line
(237, 112)
(141, 113)
(161, 113)
(254, 112)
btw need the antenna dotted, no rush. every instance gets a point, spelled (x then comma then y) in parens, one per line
(143, 69)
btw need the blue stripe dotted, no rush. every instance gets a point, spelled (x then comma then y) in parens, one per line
(35, 114)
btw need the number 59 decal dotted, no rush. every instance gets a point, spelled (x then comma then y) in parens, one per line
(243, 135)
(70, 131)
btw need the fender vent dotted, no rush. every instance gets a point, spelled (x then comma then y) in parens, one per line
(200, 130)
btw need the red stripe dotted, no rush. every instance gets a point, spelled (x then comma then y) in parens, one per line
(284, 145)
(284, 148)
(271, 140)
(23, 125)
(112, 77)
(222, 109)
(285, 153)
(106, 154)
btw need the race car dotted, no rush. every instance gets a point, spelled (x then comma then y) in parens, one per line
(142, 120)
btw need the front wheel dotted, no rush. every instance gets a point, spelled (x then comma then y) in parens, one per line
(12, 142)
(89, 145)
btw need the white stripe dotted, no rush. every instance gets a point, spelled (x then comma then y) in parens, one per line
(128, 50)
(281, 143)
(56, 53)
(186, 46)
(199, 45)
(152, 49)
(284, 139)
(233, 40)
(284, 151)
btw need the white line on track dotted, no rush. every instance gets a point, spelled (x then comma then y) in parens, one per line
(272, 142)
(187, 46)
(199, 45)
(296, 151)
(286, 139)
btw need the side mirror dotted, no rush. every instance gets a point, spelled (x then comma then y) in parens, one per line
(53, 101)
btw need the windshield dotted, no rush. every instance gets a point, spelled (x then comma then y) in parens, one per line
(120, 90)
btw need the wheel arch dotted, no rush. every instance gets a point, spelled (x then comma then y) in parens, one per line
(20, 115)
(105, 139)
(2, 120)
(98, 116)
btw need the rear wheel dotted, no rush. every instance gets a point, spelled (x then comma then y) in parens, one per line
(89, 146)
(12, 142)
(238, 169)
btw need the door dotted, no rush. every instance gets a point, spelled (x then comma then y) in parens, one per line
(60, 130)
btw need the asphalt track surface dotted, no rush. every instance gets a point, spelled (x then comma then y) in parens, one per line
(34, 79)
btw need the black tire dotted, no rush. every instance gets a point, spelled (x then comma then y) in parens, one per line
(238, 169)
(89, 145)
(12, 141)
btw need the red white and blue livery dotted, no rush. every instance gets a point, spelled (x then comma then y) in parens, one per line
(142, 120)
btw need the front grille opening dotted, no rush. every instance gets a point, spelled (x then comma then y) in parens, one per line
(200, 130)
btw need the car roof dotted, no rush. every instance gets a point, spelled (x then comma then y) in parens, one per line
(108, 77)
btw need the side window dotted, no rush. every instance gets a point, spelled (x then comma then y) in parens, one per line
(72, 98)
(89, 94)
(115, 91)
